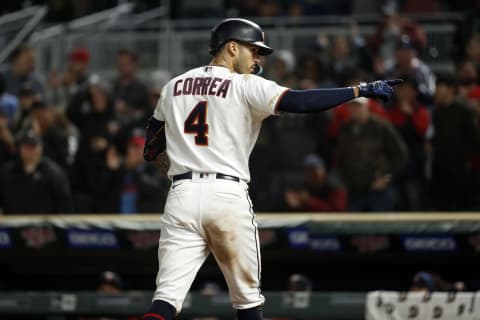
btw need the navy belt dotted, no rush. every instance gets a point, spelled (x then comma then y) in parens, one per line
(188, 175)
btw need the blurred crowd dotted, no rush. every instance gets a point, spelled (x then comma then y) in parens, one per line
(418, 152)
(66, 10)
(72, 141)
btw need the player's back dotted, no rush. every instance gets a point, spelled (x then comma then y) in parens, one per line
(213, 119)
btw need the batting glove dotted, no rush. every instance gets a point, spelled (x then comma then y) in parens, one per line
(378, 89)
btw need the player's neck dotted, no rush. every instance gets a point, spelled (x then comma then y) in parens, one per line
(221, 62)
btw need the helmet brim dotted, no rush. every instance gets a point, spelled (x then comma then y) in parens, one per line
(263, 49)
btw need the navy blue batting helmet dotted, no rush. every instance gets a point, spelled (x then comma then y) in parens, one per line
(241, 30)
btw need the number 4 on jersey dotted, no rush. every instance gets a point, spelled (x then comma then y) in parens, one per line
(196, 123)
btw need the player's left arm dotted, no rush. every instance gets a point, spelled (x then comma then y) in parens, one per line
(155, 139)
(315, 100)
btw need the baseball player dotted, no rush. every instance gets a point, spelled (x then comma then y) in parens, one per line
(208, 120)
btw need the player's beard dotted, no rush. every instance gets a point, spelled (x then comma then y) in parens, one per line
(240, 64)
(237, 67)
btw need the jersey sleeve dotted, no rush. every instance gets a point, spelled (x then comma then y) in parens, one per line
(158, 112)
(262, 95)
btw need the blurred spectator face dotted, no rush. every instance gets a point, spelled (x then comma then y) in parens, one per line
(269, 8)
(79, 59)
(126, 66)
(78, 68)
(210, 289)
(107, 288)
(299, 283)
(110, 282)
(134, 155)
(341, 47)
(359, 111)
(99, 98)
(310, 69)
(404, 57)
(473, 48)
(30, 151)
(279, 68)
(43, 114)
(99, 144)
(26, 99)
(283, 62)
(467, 73)
(466, 77)
(443, 94)
(315, 176)
(406, 91)
(24, 64)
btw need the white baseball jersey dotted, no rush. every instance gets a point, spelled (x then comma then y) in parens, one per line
(219, 114)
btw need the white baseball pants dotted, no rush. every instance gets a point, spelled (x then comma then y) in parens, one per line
(202, 215)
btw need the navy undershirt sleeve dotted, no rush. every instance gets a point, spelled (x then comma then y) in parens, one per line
(314, 100)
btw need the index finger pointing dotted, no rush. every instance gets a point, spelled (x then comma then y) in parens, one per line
(394, 82)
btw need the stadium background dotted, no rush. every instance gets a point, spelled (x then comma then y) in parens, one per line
(319, 44)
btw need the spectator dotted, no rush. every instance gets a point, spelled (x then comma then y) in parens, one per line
(313, 73)
(129, 93)
(61, 87)
(388, 32)
(316, 8)
(369, 155)
(341, 115)
(299, 283)
(26, 98)
(138, 187)
(455, 137)
(469, 91)
(467, 78)
(348, 52)
(318, 193)
(92, 112)
(8, 102)
(282, 67)
(411, 119)
(407, 63)
(109, 282)
(33, 183)
(472, 50)
(45, 123)
(158, 79)
(430, 281)
(269, 8)
(21, 70)
(7, 142)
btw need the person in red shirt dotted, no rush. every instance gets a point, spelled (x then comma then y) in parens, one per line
(341, 115)
(411, 119)
(319, 193)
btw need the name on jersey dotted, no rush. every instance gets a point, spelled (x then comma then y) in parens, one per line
(202, 86)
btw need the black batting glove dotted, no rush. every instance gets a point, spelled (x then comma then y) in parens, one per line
(378, 89)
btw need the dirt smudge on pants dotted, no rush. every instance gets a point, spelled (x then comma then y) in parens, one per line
(221, 237)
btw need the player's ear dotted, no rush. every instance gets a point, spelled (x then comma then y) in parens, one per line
(232, 48)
